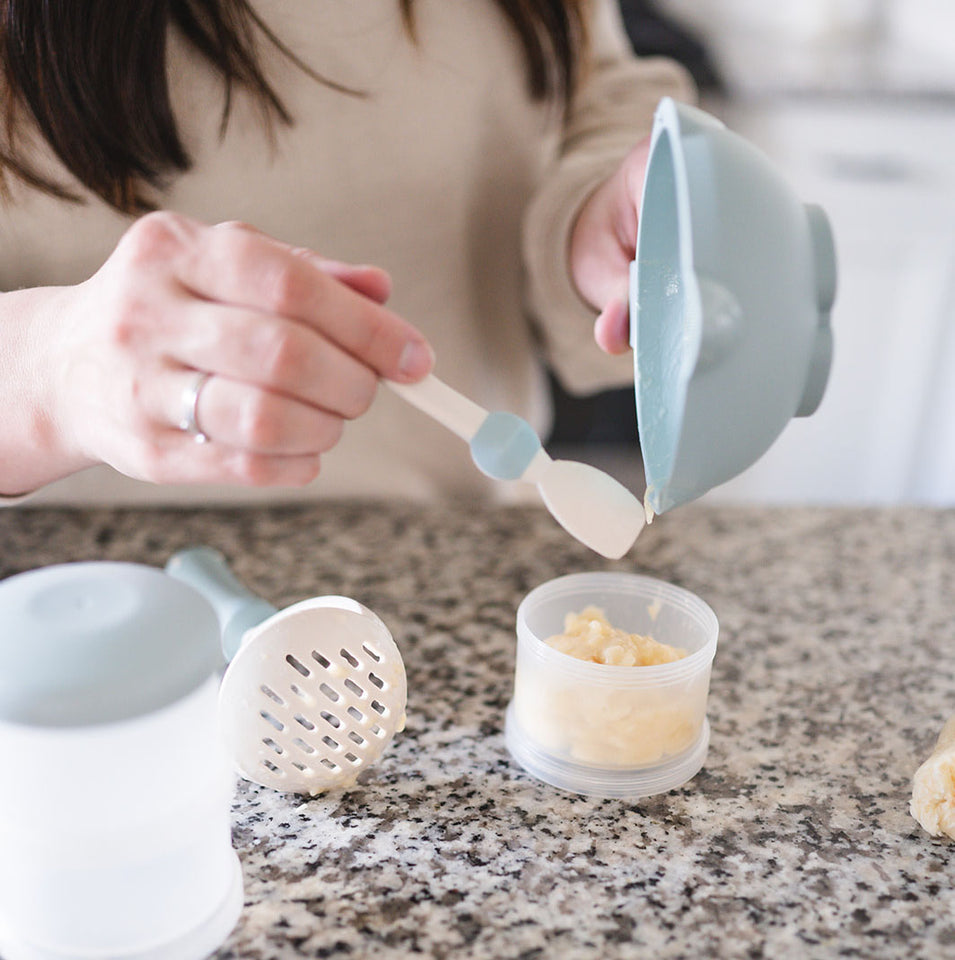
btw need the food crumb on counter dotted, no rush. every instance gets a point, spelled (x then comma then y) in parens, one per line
(933, 787)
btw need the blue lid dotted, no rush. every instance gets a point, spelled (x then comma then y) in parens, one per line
(98, 642)
(730, 296)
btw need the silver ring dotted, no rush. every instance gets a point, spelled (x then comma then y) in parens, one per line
(189, 404)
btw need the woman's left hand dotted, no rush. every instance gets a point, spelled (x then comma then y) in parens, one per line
(603, 244)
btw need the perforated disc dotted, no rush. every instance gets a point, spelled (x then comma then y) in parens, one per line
(313, 697)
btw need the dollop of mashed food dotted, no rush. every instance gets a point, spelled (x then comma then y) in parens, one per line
(588, 635)
(933, 787)
(600, 722)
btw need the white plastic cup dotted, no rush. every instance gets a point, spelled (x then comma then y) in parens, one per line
(606, 730)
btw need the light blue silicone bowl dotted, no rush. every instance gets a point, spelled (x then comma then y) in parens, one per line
(730, 294)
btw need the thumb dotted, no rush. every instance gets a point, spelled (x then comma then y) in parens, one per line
(612, 327)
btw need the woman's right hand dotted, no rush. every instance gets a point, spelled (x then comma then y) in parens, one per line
(294, 345)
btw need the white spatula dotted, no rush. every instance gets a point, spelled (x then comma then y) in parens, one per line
(588, 503)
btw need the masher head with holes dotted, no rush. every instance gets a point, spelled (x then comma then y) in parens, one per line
(313, 697)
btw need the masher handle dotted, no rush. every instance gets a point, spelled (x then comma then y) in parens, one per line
(237, 608)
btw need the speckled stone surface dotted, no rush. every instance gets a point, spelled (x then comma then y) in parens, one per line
(835, 671)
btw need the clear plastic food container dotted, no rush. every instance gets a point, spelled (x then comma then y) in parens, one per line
(607, 730)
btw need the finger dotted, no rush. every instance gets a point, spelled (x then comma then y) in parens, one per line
(175, 458)
(612, 328)
(271, 352)
(369, 281)
(240, 266)
(261, 421)
(237, 414)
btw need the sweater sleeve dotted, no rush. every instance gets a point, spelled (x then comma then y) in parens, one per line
(611, 112)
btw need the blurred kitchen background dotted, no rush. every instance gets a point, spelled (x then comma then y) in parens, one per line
(854, 101)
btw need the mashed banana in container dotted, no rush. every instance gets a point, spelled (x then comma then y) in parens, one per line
(615, 703)
(618, 726)
(588, 635)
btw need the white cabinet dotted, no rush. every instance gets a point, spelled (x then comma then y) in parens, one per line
(884, 170)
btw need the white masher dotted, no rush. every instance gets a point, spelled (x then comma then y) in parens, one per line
(312, 694)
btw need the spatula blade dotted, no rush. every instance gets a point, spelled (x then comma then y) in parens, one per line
(592, 506)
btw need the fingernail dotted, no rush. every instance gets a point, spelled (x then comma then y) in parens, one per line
(416, 359)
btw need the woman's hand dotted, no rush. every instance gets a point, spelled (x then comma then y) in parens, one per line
(603, 244)
(294, 345)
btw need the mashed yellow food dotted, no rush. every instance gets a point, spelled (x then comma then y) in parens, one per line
(599, 721)
(589, 636)
(933, 787)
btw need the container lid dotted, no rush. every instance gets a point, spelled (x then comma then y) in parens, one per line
(100, 642)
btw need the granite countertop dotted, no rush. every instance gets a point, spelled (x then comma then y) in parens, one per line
(834, 673)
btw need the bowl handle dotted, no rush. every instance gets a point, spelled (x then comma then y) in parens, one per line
(824, 261)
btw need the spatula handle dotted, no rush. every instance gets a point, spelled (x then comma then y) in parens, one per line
(443, 403)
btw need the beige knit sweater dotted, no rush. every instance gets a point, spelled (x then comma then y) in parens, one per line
(446, 174)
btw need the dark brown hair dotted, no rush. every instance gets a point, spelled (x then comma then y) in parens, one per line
(91, 76)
